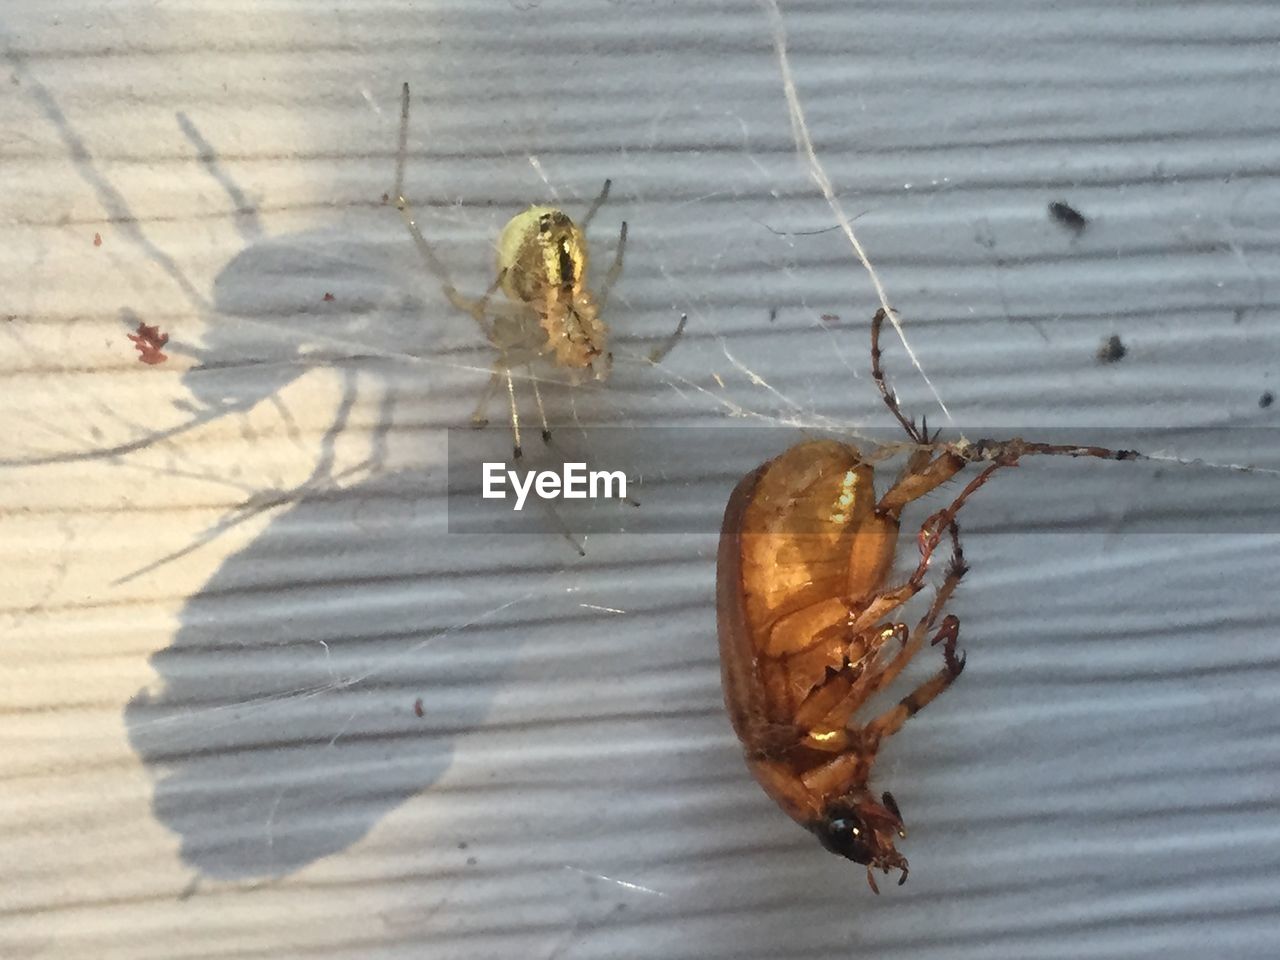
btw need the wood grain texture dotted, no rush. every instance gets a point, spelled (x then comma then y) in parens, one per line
(228, 578)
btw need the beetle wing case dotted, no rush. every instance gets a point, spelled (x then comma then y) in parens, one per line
(784, 548)
(738, 665)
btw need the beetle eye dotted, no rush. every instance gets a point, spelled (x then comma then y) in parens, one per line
(847, 837)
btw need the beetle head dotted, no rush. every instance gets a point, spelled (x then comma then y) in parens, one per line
(864, 829)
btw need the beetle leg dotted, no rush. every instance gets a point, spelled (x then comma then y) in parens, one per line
(891, 721)
(825, 712)
(865, 613)
(930, 536)
(919, 481)
(875, 680)
(821, 684)
(821, 702)
(871, 881)
(809, 627)
(839, 718)
(838, 776)
(956, 570)
(919, 435)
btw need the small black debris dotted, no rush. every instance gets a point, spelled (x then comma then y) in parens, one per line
(1112, 350)
(1068, 216)
(1266, 400)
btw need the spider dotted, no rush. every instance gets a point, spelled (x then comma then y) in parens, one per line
(803, 604)
(542, 268)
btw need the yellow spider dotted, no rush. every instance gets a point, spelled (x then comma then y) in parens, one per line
(542, 268)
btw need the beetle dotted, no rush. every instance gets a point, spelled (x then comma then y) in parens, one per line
(804, 612)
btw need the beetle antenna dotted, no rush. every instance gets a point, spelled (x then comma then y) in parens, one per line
(891, 805)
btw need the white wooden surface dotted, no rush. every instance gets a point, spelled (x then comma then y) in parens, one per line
(215, 636)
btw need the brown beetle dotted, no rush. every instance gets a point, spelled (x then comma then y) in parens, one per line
(803, 609)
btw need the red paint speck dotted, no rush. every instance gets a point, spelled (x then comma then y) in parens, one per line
(328, 298)
(149, 340)
(417, 708)
(97, 239)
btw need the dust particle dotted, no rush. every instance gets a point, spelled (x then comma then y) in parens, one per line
(1266, 400)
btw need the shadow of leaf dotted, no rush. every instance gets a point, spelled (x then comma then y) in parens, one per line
(284, 726)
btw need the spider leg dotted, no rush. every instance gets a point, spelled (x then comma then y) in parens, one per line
(596, 204)
(537, 396)
(479, 308)
(562, 528)
(516, 451)
(402, 148)
(615, 270)
(480, 418)
(434, 263)
(659, 353)
(429, 256)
